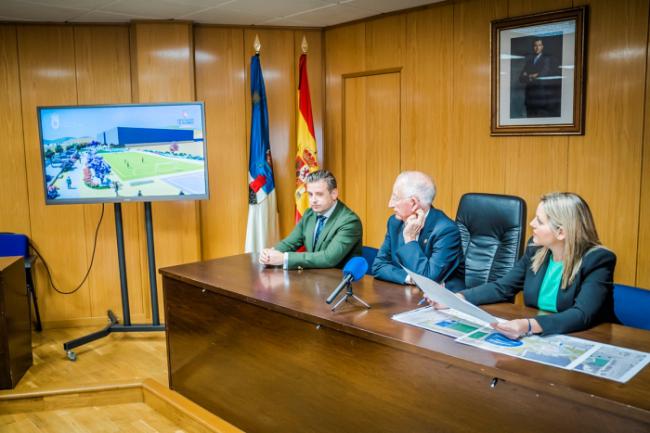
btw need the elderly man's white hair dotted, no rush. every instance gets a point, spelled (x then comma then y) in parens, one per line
(418, 184)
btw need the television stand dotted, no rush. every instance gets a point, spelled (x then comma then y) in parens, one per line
(126, 326)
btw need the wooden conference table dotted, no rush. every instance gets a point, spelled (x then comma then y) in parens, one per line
(261, 349)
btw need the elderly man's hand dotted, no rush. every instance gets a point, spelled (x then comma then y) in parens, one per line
(413, 225)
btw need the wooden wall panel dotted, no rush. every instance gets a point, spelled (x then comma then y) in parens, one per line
(383, 103)
(344, 48)
(605, 164)
(549, 169)
(103, 77)
(222, 70)
(47, 76)
(220, 83)
(278, 68)
(479, 160)
(443, 51)
(14, 209)
(364, 138)
(146, 62)
(371, 160)
(353, 179)
(524, 7)
(427, 99)
(446, 112)
(643, 257)
(162, 71)
(354, 173)
(385, 42)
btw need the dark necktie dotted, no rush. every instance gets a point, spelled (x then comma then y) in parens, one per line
(320, 222)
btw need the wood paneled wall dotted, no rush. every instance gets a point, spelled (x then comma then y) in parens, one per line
(643, 268)
(444, 53)
(44, 65)
(14, 214)
(441, 61)
(61, 65)
(162, 61)
(222, 81)
(103, 76)
(371, 145)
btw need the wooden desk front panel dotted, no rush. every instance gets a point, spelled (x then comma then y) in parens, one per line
(265, 371)
(15, 322)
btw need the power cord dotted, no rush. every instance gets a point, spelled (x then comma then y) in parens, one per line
(92, 260)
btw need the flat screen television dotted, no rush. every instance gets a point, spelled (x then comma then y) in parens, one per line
(116, 153)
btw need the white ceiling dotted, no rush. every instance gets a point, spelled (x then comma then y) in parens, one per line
(304, 13)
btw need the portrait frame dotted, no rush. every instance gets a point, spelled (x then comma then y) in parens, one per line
(538, 73)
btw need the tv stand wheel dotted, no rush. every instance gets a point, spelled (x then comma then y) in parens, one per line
(71, 355)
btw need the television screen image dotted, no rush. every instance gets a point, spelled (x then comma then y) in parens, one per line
(113, 153)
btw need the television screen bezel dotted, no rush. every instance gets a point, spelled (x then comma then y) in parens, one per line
(96, 200)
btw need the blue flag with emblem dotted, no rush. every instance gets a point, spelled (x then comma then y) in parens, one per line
(262, 230)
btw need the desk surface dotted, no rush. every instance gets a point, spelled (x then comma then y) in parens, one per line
(5, 262)
(302, 294)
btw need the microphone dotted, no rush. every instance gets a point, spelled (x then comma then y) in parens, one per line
(353, 270)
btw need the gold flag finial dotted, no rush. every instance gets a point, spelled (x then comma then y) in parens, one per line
(257, 45)
(304, 45)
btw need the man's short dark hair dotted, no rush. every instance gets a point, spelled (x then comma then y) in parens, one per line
(325, 175)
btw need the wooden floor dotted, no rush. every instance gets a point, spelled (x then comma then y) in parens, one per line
(117, 358)
(119, 418)
(114, 359)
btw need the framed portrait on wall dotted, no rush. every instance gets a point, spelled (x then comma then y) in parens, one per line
(538, 74)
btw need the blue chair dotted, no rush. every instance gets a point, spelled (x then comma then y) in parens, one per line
(369, 253)
(632, 306)
(14, 244)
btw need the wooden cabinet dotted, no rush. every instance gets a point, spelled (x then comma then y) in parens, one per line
(15, 322)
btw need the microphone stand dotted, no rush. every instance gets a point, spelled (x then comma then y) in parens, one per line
(350, 294)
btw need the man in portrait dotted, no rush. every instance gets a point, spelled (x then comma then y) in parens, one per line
(542, 93)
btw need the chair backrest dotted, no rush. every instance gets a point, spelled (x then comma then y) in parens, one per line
(369, 253)
(492, 229)
(632, 306)
(13, 244)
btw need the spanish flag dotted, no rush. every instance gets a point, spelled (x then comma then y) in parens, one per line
(307, 156)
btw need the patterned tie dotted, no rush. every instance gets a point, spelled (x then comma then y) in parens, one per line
(320, 222)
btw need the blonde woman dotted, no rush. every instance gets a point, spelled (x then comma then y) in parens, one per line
(565, 272)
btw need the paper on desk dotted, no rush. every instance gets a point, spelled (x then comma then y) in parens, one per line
(436, 292)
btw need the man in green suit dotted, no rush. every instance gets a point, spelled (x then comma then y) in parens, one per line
(330, 232)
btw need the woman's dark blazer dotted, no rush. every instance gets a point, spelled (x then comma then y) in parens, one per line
(587, 301)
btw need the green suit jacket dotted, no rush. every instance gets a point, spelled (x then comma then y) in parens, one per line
(339, 240)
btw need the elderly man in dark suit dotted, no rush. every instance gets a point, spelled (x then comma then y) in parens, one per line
(419, 236)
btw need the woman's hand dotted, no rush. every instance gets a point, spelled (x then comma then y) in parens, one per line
(515, 329)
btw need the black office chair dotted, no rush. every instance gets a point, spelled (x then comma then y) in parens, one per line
(14, 244)
(492, 229)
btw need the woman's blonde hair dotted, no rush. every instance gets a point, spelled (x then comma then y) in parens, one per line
(571, 213)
